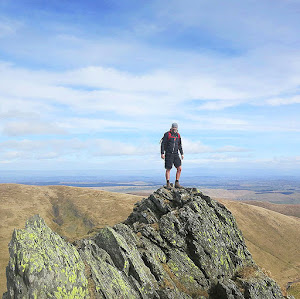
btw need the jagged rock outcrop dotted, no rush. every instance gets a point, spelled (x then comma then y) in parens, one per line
(43, 265)
(175, 244)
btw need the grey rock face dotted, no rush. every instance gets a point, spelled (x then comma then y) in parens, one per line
(43, 265)
(175, 244)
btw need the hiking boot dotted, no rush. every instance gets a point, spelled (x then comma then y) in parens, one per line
(168, 186)
(177, 185)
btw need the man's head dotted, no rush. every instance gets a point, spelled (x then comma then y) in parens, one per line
(174, 127)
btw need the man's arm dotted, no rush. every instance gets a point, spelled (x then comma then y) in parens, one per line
(163, 144)
(180, 147)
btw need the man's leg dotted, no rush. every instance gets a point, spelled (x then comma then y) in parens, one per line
(177, 164)
(168, 166)
(168, 174)
(178, 173)
(168, 186)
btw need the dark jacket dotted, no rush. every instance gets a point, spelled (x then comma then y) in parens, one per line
(171, 143)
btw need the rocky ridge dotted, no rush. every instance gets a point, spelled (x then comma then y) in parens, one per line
(176, 243)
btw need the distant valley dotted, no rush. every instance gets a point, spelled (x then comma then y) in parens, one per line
(281, 190)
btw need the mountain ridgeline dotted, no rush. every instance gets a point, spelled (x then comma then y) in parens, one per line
(176, 243)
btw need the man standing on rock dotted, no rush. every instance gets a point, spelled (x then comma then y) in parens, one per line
(170, 145)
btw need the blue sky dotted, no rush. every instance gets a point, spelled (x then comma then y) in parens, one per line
(95, 84)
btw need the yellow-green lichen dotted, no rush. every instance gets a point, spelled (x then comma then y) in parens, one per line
(37, 249)
(75, 293)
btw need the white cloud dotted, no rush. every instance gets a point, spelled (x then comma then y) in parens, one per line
(284, 101)
(196, 147)
(230, 148)
(115, 148)
(204, 122)
(70, 148)
(287, 160)
(96, 147)
(33, 128)
(140, 155)
(85, 125)
(12, 155)
(225, 84)
(43, 145)
(217, 105)
(114, 90)
(213, 160)
(37, 102)
(47, 155)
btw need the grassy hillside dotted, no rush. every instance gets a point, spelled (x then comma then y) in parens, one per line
(70, 211)
(286, 209)
(271, 237)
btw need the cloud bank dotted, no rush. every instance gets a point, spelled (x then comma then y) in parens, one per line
(109, 86)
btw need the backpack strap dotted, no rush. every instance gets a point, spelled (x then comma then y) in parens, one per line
(170, 135)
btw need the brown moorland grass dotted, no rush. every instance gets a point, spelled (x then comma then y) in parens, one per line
(272, 238)
(70, 211)
(294, 290)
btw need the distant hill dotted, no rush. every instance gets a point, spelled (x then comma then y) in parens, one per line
(285, 209)
(276, 196)
(73, 212)
(272, 238)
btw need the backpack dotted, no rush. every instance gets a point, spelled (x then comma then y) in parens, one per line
(169, 137)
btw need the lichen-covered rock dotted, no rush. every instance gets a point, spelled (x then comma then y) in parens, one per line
(226, 289)
(198, 226)
(106, 280)
(175, 244)
(43, 265)
(259, 286)
(125, 275)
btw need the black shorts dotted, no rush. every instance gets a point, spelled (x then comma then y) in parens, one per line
(171, 159)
